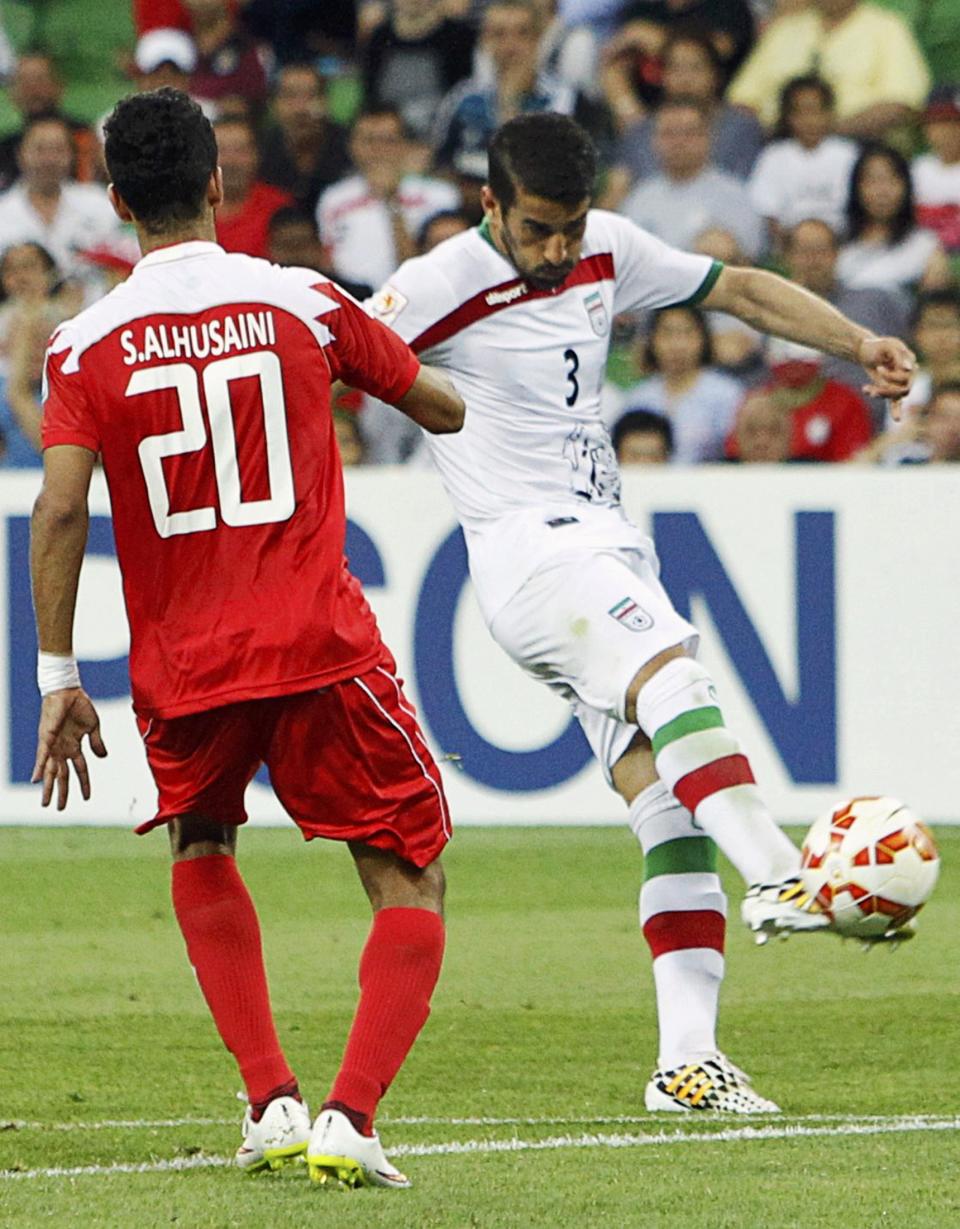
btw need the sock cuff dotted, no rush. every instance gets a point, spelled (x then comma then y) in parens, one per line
(402, 922)
(213, 875)
(676, 688)
(656, 800)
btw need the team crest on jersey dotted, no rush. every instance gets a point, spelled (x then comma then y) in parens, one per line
(631, 616)
(387, 304)
(597, 313)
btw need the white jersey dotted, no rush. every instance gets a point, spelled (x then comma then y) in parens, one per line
(534, 454)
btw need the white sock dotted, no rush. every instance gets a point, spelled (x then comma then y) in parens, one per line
(682, 915)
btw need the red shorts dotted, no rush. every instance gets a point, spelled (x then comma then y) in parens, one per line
(347, 762)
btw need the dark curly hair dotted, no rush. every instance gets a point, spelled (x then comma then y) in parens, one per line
(544, 154)
(160, 151)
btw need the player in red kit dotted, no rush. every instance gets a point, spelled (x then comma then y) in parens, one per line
(204, 384)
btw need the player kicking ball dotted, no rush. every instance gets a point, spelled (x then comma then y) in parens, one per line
(204, 383)
(518, 312)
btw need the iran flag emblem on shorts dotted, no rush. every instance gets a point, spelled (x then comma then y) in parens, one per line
(631, 616)
(596, 312)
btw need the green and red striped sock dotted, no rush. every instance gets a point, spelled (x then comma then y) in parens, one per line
(683, 918)
(701, 763)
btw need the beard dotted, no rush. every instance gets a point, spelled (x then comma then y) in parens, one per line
(541, 277)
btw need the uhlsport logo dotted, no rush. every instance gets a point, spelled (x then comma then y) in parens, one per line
(503, 298)
(631, 616)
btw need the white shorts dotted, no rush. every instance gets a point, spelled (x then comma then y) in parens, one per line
(584, 624)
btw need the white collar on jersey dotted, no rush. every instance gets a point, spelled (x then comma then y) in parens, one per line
(179, 251)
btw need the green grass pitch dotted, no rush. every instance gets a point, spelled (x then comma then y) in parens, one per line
(521, 1104)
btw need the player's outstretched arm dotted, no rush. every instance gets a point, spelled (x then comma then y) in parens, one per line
(784, 309)
(433, 403)
(58, 538)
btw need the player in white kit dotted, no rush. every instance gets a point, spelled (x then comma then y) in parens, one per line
(518, 312)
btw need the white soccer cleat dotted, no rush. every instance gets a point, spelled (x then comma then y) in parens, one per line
(713, 1083)
(280, 1136)
(337, 1152)
(782, 909)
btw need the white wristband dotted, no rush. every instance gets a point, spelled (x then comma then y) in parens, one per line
(56, 673)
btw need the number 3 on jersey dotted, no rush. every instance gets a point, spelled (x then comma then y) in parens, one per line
(572, 359)
(183, 379)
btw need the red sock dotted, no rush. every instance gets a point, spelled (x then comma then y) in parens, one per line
(398, 971)
(219, 924)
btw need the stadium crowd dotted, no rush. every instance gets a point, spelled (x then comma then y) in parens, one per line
(820, 138)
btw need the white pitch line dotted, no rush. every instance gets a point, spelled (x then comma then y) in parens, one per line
(731, 1135)
(152, 1124)
(587, 1140)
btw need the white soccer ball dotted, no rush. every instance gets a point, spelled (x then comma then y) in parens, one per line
(871, 864)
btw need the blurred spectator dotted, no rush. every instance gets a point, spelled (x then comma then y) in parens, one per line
(810, 252)
(165, 57)
(248, 202)
(633, 58)
(805, 171)
(228, 63)
(414, 58)
(472, 111)
(698, 402)
(885, 248)
(691, 69)
(304, 152)
(36, 90)
(642, 437)
(763, 431)
(930, 434)
(35, 302)
(90, 43)
(829, 421)
(568, 50)
(296, 29)
(936, 339)
(440, 227)
(940, 429)
(368, 221)
(47, 206)
(867, 54)
(293, 28)
(28, 274)
(691, 194)
(936, 175)
(349, 439)
(737, 348)
(292, 240)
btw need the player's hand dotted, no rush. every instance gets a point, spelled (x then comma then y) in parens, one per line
(891, 366)
(66, 718)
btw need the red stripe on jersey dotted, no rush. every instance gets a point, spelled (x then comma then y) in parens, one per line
(591, 269)
(720, 774)
(679, 931)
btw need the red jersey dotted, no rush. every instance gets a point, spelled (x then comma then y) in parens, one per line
(204, 382)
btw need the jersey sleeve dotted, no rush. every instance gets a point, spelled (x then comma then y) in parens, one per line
(68, 417)
(650, 274)
(415, 300)
(364, 353)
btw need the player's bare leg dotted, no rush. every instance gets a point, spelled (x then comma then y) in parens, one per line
(674, 701)
(398, 971)
(683, 918)
(222, 934)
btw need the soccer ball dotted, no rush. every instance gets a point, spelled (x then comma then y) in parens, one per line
(871, 864)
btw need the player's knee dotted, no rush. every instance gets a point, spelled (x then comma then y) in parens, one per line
(196, 836)
(676, 686)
